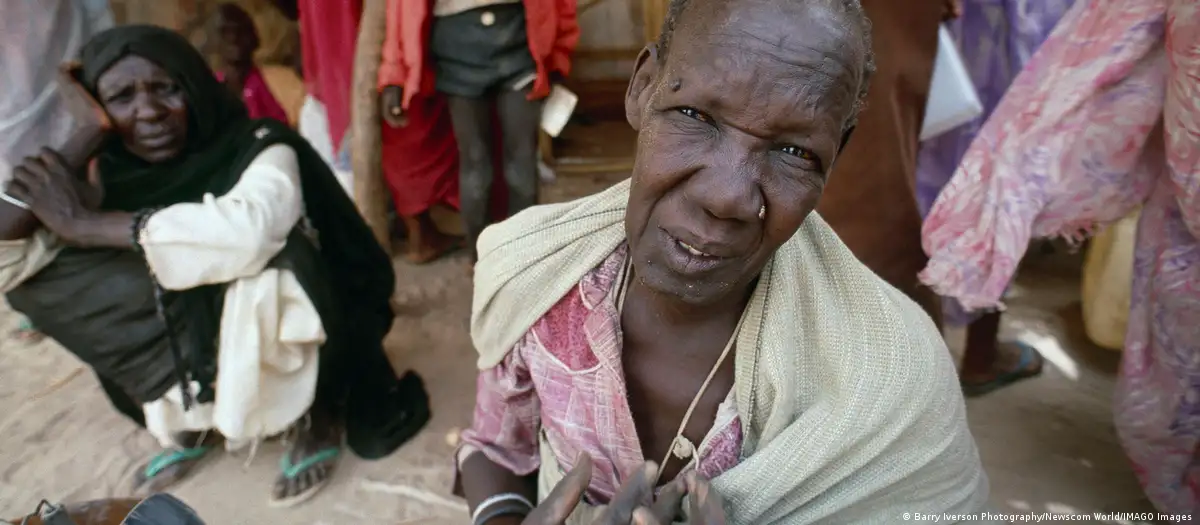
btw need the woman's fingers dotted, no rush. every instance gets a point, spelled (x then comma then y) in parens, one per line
(565, 496)
(34, 167)
(54, 161)
(18, 187)
(634, 493)
(705, 505)
(669, 501)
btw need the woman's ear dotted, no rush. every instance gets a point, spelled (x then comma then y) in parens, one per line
(638, 93)
(845, 139)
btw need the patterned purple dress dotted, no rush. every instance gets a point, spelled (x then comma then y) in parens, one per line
(1104, 118)
(996, 39)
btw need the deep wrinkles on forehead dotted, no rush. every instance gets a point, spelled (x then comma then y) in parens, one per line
(126, 72)
(783, 75)
(730, 38)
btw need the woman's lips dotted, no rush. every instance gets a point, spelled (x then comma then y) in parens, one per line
(157, 141)
(692, 250)
(686, 259)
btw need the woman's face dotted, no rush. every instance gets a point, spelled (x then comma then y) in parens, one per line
(237, 37)
(747, 114)
(147, 107)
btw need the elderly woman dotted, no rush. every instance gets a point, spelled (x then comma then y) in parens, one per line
(785, 354)
(208, 270)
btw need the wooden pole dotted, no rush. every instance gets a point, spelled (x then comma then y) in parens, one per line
(370, 192)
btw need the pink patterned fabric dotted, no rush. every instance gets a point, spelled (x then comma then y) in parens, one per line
(565, 379)
(1105, 117)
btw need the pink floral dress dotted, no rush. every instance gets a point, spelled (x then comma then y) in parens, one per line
(1105, 117)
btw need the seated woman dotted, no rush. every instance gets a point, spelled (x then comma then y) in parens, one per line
(801, 386)
(210, 271)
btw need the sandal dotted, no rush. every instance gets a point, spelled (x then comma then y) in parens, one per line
(291, 471)
(1029, 356)
(184, 458)
(26, 332)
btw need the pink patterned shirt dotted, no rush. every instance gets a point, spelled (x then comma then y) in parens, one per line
(565, 379)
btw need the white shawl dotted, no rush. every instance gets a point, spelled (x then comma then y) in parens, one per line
(850, 404)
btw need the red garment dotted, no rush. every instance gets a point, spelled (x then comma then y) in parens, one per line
(551, 29)
(328, 33)
(420, 160)
(257, 96)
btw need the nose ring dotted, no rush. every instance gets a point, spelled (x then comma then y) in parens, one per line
(762, 212)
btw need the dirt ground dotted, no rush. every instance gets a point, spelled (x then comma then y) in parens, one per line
(1048, 444)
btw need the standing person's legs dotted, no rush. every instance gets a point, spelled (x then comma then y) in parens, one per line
(989, 364)
(519, 118)
(472, 118)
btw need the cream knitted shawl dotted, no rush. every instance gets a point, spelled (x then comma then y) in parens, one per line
(850, 405)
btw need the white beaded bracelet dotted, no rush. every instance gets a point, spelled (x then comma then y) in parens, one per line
(499, 498)
(13, 200)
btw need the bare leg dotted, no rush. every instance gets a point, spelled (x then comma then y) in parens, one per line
(472, 119)
(989, 364)
(980, 354)
(425, 242)
(519, 118)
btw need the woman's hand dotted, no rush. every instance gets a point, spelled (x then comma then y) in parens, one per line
(59, 198)
(705, 507)
(391, 104)
(635, 494)
(565, 496)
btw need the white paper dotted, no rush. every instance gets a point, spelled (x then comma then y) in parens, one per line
(557, 109)
(953, 100)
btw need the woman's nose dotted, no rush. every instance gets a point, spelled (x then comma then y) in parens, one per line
(147, 107)
(728, 186)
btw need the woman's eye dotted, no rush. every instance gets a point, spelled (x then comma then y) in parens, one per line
(695, 114)
(796, 151)
(122, 95)
(808, 159)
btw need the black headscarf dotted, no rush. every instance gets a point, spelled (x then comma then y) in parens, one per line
(218, 123)
(102, 304)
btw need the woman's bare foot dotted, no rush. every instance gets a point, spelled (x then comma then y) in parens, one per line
(174, 464)
(308, 465)
(988, 364)
(425, 242)
(1014, 362)
(435, 246)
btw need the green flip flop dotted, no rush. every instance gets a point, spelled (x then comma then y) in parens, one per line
(26, 332)
(291, 471)
(167, 459)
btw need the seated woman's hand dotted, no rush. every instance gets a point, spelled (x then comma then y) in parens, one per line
(55, 194)
(637, 493)
(705, 507)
